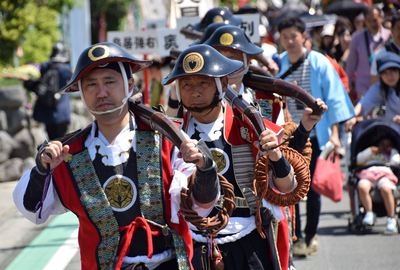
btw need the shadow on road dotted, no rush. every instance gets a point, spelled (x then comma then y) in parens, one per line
(337, 214)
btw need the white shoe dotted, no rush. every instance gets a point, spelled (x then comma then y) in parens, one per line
(391, 226)
(368, 219)
(299, 248)
(313, 245)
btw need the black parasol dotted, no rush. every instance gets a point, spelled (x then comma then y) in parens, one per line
(346, 8)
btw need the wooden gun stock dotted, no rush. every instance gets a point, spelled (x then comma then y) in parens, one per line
(250, 112)
(269, 85)
(158, 121)
(174, 53)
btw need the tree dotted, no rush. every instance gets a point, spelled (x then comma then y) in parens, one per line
(15, 19)
(40, 36)
(107, 15)
(30, 24)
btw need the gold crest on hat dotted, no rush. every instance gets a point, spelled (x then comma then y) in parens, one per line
(102, 50)
(218, 19)
(193, 62)
(226, 39)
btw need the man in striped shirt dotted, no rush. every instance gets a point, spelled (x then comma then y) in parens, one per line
(313, 72)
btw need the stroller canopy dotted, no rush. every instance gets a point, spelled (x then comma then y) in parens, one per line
(369, 132)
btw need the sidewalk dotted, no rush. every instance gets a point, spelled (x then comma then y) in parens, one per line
(15, 231)
(25, 245)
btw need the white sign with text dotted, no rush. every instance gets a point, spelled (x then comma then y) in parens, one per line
(250, 23)
(158, 41)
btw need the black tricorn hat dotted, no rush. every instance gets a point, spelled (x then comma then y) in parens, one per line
(100, 54)
(233, 37)
(215, 15)
(202, 60)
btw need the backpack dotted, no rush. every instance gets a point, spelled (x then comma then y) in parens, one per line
(48, 87)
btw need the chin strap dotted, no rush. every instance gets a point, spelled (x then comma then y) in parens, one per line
(178, 94)
(128, 94)
(219, 87)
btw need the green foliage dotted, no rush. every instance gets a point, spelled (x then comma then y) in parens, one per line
(9, 82)
(57, 5)
(41, 35)
(32, 24)
(232, 4)
(15, 20)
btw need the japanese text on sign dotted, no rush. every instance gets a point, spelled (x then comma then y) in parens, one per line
(159, 41)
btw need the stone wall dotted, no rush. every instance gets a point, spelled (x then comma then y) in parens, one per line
(20, 134)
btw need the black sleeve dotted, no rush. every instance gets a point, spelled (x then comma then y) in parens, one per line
(205, 188)
(34, 190)
(300, 137)
(281, 167)
(31, 85)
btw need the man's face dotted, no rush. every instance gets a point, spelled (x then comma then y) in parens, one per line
(197, 92)
(103, 89)
(232, 54)
(396, 33)
(373, 21)
(327, 41)
(235, 78)
(292, 40)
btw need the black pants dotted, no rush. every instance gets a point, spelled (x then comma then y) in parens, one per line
(313, 205)
(168, 265)
(56, 131)
(248, 253)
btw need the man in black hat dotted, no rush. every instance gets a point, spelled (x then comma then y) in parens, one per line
(217, 15)
(201, 77)
(115, 175)
(233, 43)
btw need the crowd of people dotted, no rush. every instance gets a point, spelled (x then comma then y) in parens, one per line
(146, 200)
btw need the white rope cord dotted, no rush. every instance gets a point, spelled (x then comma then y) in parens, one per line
(226, 239)
(219, 87)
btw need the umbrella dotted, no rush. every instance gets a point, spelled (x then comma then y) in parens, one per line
(312, 21)
(346, 8)
(288, 11)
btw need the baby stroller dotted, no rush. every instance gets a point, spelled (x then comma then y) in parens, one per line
(365, 134)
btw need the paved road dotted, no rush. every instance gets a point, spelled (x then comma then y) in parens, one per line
(24, 245)
(340, 250)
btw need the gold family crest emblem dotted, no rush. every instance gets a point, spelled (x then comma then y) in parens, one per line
(226, 39)
(220, 159)
(218, 19)
(121, 192)
(98, 52)
(193, 62)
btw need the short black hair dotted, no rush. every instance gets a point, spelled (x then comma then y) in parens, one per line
(292, 22)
